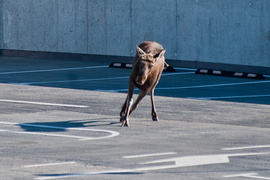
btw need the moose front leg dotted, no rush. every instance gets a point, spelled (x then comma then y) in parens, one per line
(154, 112)
(126, 116)
(125, 111)
(141, 95)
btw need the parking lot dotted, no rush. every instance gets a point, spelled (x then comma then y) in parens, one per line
(60, 120)
(97, 76)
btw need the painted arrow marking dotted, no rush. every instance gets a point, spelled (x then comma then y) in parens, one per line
(186, 161)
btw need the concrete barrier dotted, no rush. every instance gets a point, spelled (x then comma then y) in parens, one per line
(234, 32)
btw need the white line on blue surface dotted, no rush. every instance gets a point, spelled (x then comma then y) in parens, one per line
(194, 87)
(186, 69)
(214, 85)
(95, 79)
(231, 97)
(78, 80)
(173, 74)
(51, 70)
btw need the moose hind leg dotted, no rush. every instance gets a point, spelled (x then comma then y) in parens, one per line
(154, 112)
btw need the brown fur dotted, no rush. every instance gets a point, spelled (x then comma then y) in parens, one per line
(148, 65)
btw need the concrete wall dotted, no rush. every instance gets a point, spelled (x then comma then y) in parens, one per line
(45, 25)
(1, 24)
(220, 31)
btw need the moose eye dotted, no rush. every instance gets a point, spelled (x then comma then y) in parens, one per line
(157, 55)
(150, 66)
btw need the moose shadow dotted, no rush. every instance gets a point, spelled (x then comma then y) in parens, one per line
(63, 125)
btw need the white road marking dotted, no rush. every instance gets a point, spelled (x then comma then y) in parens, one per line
(42, 103)
(50, 70)
(193, 160)
(66, 81)
(173, 74)
(95, 79)
(45, 134)
(214, 85)
(231, 97)
(81, 138)
(246, 147)
(246, 154)
(186, 69)
(88, 80)
(186, 161)
(49, 164)
(149, 155)
(240, 175)
(248, 175)
(194, 87)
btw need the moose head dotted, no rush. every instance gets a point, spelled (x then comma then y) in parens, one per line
(146, 64)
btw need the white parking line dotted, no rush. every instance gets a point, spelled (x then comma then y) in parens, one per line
(214, 85)
(241, 175)
(246, 147)
(149, 155)
(95, 79)
(248, 175)
(50, 70)
(49, 164)
(194, 87)
(42, 103)
(66, 81)
(173, 74)
(231, 97)
(186, 69)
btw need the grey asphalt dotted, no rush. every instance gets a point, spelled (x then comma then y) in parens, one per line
(60, 120)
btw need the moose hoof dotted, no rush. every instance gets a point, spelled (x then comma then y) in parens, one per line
(122, 119)
(155, 119)
(125, 123)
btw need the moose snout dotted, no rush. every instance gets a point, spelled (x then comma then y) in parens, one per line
(140, 80)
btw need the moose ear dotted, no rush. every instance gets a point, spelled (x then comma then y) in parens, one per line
(159, 55)
(139, 51)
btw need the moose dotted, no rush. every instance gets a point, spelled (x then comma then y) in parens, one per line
(147, 67)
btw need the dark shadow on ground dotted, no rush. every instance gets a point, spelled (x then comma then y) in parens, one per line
(63, 125)
(74, 174)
